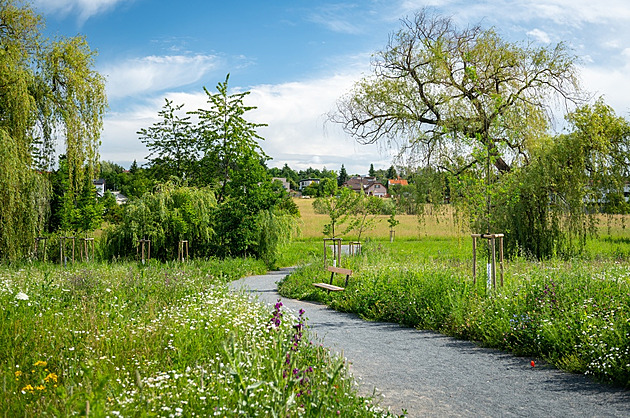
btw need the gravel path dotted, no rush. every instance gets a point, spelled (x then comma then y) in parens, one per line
(428, 374)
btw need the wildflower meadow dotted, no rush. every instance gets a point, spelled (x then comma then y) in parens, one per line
(574, 314)
(160, 340)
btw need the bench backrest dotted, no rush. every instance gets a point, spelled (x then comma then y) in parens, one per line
(346, 272)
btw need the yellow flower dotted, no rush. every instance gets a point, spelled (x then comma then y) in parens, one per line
(27, 388)
(51, 377)
(18, 373)
(41, 387)
(40, 363)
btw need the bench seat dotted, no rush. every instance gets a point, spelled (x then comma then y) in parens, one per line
(330, 286)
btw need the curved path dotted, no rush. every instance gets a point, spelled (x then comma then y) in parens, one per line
(428, 374)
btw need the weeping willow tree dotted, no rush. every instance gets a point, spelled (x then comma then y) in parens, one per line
(48, 91)
(169, 215)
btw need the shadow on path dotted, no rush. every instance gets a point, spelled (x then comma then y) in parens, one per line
(429, 374)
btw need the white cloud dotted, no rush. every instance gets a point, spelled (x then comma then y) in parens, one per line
(539, 35)
(83, 8)
(338, 18)
(297, 135)
(577, 12)
(611, 83)
(156, 73)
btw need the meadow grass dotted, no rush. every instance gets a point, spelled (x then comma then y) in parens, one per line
(127, 339)
(574, 314)
(434, 223)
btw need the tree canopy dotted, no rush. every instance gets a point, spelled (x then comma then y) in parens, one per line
(49, 91)
(446, 91)
(171, 143)
(219, 150)
(476, 110)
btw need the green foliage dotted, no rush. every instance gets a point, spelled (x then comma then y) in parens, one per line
(165, 217)
(228, 142)
(89, 211)
(314, 173)
(327, 187)
(468, 103)
(124, 339)
(391, 173)
(426, 186)
(392, 221)
(73, 211)
(291, 175)
(48, 88)
(548, 207)
(171, 144)
(447, 89)
(237, 226)
(365, 212)
(339, 209)
(112, 212)
(24, 198)
(311, 190)
(343, 176)
(573, 315)
(73, 100)
(250, 215)
(275, 230)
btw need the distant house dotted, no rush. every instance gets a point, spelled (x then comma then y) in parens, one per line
(376, 189)
(121, 199)
(307, 182)
(368, 185)
(399, 181)
(100, 187)
(284, 182)
(354, 183)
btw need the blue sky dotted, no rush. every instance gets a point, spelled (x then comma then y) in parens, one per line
(297, 57)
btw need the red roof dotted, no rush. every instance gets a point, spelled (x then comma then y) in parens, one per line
(400, 181)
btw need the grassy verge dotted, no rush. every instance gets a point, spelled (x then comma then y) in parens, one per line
(159, 340)
(575, 315)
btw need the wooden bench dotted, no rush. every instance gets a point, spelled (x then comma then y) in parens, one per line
(330, 287)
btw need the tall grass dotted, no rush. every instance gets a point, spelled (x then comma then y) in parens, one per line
(573, 314)
(434, 223)
(159, 340)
